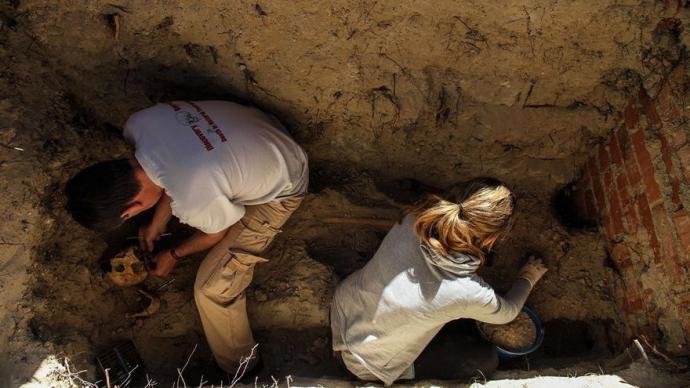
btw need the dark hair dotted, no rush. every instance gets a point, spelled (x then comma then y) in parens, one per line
(98, 194)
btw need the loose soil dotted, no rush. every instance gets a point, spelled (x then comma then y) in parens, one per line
(386, 97)
(515, 336)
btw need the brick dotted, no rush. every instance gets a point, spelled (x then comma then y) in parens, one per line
(681, 221)
(615, 214)
(627, 204)
(631, 116)
(676, 137)
(683, 301)
(667, 244)
(646, 168)
(620, 254)
(596, 186)
(623, 189)
(684, 157)
(610, 214)
(622, 185)
(647, 221)
(649, 300)
(603, 156)
(615, 150)
(608, 226)
(666, 104)
(633, 304)
(638, 303)
(674, 182)
(585, 186)
(629, 160)
(649, 109)
(633, 300)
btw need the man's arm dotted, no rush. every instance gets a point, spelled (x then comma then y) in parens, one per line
(199, 241)
(152, 232)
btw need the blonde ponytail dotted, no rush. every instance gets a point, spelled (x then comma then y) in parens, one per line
(470, 220)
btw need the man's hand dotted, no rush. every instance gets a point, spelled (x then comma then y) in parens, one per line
(165, 262)
(148, 234)
(152, 232)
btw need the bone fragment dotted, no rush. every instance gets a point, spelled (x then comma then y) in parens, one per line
(154, 305)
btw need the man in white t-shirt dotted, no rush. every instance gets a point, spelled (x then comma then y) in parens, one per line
(230, 171)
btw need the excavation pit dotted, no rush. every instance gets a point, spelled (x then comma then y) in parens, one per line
(389, 101)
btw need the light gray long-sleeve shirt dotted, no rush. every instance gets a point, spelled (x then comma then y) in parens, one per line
(386, 313)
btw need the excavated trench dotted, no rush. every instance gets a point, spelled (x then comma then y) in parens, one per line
(385, 98)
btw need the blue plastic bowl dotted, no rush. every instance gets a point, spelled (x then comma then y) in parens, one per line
(505, 354)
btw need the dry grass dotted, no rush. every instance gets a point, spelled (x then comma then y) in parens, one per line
(66, 376)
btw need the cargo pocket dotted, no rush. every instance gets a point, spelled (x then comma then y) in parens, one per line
(256, 235)
(290, 204)
(231, 277)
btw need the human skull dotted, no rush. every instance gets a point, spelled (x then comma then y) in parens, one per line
(127, 269)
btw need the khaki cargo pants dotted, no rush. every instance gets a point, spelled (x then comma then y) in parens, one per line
(226, 272)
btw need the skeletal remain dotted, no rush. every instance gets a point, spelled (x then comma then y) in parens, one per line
(127, 269)
(152, 308)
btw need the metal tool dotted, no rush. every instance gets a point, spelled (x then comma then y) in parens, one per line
(119, 365)
(137, 237)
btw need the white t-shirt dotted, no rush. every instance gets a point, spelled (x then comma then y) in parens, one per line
(214, 157)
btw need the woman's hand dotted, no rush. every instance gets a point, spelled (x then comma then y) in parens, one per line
(533, 270)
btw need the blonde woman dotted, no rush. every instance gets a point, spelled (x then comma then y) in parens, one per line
(423, 276)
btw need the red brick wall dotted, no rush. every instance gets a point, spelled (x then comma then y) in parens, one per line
(636, 184)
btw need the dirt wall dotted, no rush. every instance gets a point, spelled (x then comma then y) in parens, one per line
(508, 90)
(377, 92)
